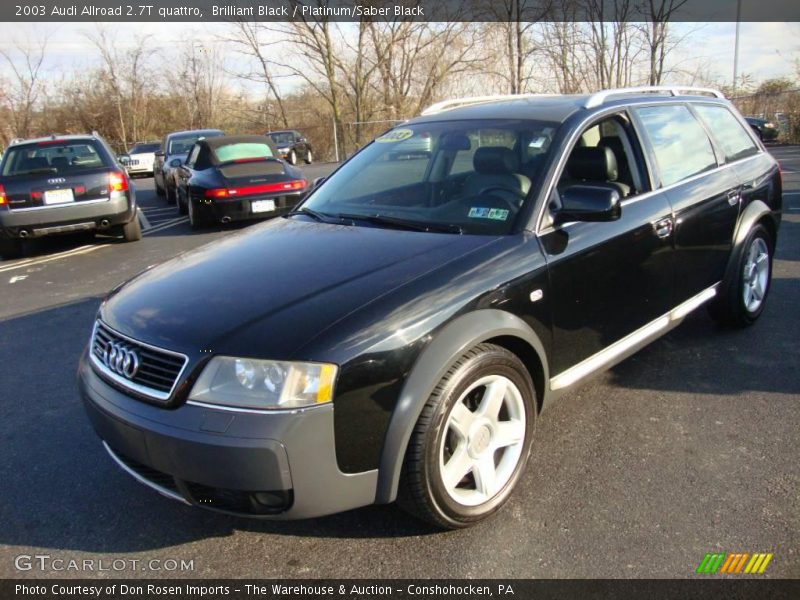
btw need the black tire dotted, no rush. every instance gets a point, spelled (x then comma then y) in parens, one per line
(159, 190)
(423, 492)
(10, 249)
(730, 307)
(132, 231)
(171, 195)
(195, 220)
(292, 158)
(182, 208)
(309, 157)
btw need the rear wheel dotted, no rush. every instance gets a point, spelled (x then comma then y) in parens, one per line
(159, 189)
(742, 300)
(171, 194)
(309, 157)
(472, 440)
(195, 220)
(182, 210)
(132, 232)
(10, 249)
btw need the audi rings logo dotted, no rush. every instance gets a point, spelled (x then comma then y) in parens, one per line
(121, 359)
(57, 180)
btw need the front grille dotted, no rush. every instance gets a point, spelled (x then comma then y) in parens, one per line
(158, 372)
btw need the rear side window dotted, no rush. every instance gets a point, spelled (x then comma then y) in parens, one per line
(680, 143)
(729, 134)
(143, 148)
(52, 158)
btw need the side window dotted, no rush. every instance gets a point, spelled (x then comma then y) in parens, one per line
(190, 162)
(680, 143)
(729, 134)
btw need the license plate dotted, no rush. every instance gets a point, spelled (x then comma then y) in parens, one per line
(58, 196)
(258, 206)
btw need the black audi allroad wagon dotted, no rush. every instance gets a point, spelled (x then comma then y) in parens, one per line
(396, 336)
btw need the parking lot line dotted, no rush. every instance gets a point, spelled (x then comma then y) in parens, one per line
(143, 219)
(46, 259)
(166, 225)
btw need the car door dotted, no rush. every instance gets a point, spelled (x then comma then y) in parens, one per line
(705, 198)
(608, 280)
(300, 144)
(158, 165)
(185, 172)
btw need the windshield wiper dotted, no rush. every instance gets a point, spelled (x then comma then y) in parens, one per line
(397, 223)
(317, 216)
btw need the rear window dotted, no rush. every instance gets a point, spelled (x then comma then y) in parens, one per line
(728, 132)
(244, 151)
(679, 142)
(143, 148)
(52, 158)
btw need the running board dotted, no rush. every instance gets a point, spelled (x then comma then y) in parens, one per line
(631, 343)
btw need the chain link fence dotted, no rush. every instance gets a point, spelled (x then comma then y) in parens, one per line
(782, 108)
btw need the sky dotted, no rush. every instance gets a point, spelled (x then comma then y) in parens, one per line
(766, 49)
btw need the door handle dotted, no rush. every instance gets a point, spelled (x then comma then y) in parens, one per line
(664, 227)
(734, 197)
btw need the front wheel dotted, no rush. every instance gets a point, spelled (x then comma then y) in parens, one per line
(742, 299)
(472, 440)
(292, 157)
(182, 202)
(171, 194)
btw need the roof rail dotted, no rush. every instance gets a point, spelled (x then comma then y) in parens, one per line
(599, 98)
(16, 141)
(456, 102)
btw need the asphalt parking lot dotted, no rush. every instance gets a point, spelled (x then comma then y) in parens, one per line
(691, 446)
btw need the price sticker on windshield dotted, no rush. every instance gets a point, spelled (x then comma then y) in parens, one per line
(395, 135)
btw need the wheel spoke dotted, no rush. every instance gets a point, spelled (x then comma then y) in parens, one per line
(457, 467)
(461, 420)
(509, 433)
(492, 399)
(758, 292)
(485, 475)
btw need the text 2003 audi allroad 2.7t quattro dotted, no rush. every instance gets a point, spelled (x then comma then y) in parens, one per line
(396, 336)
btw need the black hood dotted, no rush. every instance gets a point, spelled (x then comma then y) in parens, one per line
(203, 301)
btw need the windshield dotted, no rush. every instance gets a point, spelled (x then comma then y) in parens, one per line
(282, 138)
(182, 145)
(468, 176)
(54, 158)
(145, 148)
(243, 152)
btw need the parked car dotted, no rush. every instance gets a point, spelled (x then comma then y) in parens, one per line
(175, 147)
(397, 335)
(767, 130)
(140, 158)
(291, 145)
(63, 184)
(235, 178)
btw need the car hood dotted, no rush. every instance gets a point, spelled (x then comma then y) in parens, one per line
(252, 285)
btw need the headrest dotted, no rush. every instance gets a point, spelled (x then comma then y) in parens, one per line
(593, 164)
(495, 160)
(613, 142)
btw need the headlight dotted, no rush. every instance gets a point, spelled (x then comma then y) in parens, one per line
(769, 125)
(264, 384)
(283, 150)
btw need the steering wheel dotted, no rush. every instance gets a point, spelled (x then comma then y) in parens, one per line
(499, 188)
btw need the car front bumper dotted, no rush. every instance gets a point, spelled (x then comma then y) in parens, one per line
(279, 465)
(77, 216)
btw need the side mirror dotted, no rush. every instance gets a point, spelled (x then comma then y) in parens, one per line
(124, 159)
(160, 153)
(317, 182)
(175, 163)
(588, 203)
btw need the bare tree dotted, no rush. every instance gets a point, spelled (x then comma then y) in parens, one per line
(656, 34)
(249, 39)
(25, 86)
(199, 83)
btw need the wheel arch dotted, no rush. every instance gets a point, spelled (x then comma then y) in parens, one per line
(461, 334)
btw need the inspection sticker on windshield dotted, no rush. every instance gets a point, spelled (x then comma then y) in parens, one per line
(395, 135)
(496, 214)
